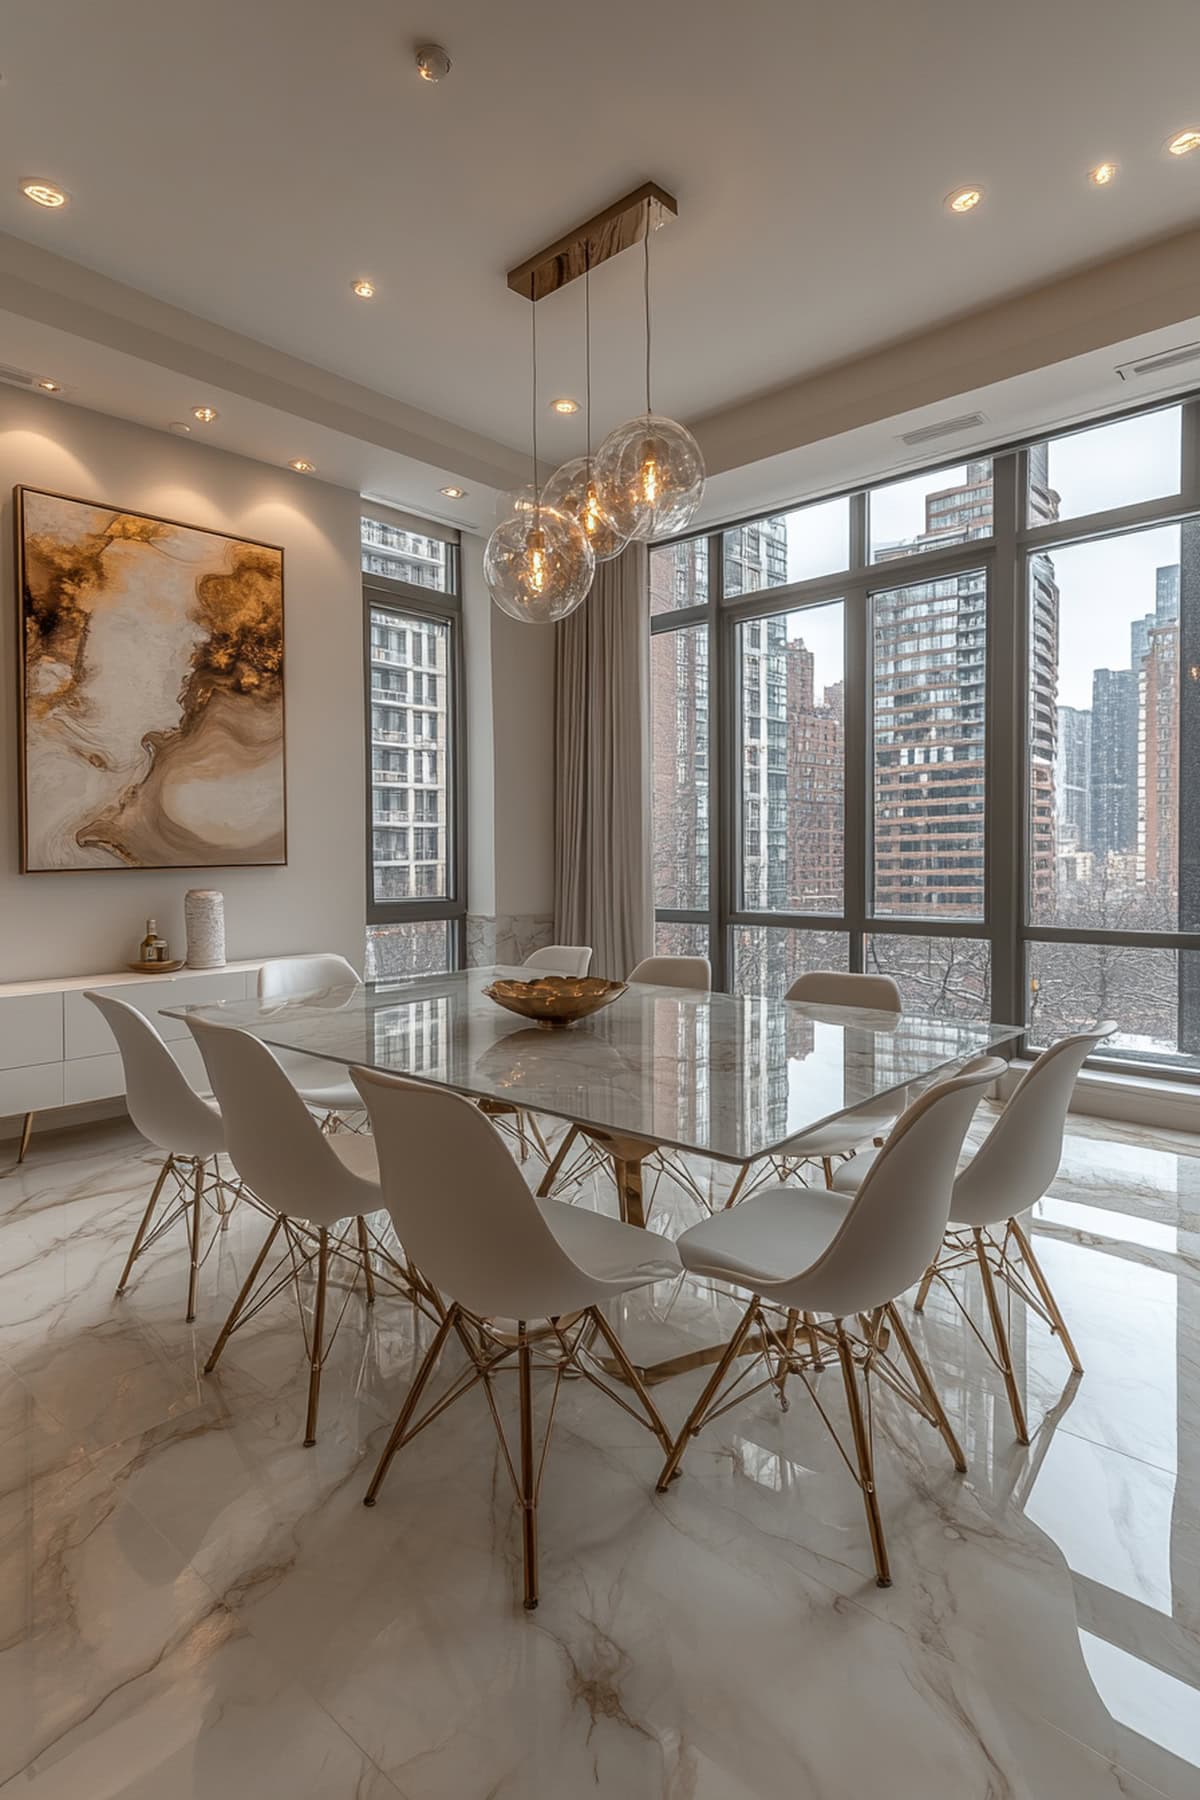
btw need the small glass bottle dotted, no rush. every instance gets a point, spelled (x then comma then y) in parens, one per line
(154, 948)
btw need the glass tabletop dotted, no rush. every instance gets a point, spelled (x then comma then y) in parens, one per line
(731, 1076)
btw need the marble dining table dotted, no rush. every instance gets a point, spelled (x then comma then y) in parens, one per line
(726, 1077)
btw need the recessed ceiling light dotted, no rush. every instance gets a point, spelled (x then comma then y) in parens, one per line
(43, 193)
(1184, 142)
(433, 63)
(205, 414)
(564, 406)
(50, 387)
(301, 466)
(180, 427)
(453, 493)
(363, 288)
(964, 200)
(1103, 174)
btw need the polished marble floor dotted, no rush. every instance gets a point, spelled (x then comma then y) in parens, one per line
(193, 1606)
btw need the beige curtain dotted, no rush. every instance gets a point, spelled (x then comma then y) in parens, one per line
(602, 853)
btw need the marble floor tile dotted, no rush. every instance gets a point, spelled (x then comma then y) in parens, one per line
(193, 1604)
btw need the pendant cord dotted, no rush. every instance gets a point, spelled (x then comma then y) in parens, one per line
(587, 350)
(533, 385)
(646, 293)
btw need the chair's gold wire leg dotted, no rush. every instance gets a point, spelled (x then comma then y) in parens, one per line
(633, 1378)
(814, 1341)
(1044, 1289)
(420, 1380)
(559, 1158)
(364, 1245)
(739, 1184)
(318, 1340)
(535, 1132)
(142, 1229)
(26, 1134)
(925, 1387)
(927, 1281)
(528, 1488)
(866, 1461)
(1003, 1352)
(194, 1235)
(244, 1295)
(691, 1424)
(827, 1170)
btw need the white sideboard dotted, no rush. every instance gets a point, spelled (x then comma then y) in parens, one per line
(56, 1050)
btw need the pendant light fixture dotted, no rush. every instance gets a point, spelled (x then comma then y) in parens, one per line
(538, 563)
(573, 488)
(649, 472)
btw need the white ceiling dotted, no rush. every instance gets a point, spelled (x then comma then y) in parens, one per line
(244, 162)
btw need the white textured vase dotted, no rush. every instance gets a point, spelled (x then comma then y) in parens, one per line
(204, 916)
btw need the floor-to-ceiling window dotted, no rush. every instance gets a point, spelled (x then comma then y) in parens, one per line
(415, 895)
(944, 728)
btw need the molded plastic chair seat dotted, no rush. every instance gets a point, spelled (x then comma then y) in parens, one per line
(319, 1083)
(809, 1255)
(324, 1086)
(849, 1178)
(328, 1181)
(693, 972)
(172, 1116)
(561, 959)
(767, 1237)
(500, 1257)
(607, 1249)
(1008, 1174)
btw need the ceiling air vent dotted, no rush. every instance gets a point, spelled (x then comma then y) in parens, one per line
(17, 377)
(1153, 365)
(929, 434)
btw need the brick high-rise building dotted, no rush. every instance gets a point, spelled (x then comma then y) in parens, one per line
(1154, 653)
(930, 678)
(815, 788)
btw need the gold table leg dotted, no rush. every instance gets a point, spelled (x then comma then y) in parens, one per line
(627, 1172)
(26, 1134)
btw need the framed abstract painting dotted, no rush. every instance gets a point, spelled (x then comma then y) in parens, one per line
(151, 691)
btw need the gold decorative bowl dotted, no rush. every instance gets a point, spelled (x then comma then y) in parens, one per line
(555, 1001)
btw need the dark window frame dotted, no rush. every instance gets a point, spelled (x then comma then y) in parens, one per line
(1004, 556)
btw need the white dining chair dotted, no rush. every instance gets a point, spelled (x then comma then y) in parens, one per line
(320, 1188)
(694, 975)
(824, 1270)
(522, 1277)
(185, 1125)
(323, 1086)
(839, 1137)
(673, 971)
(1010, 1172)
(561, 959)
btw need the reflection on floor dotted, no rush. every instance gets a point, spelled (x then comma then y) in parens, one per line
(192, 1605)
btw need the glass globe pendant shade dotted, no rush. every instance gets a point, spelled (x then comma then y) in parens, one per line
(572, 489)
(517, 500)
(538, 565)
(650, 476)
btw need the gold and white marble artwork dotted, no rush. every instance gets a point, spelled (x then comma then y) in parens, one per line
(153, 691)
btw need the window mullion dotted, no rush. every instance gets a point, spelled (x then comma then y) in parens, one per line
(1006, 848)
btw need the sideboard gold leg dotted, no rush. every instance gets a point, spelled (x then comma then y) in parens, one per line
(26, 1134)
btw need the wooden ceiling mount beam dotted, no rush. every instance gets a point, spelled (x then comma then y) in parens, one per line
(617, 228)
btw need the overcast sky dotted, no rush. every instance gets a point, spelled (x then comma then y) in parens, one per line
(1103, 586)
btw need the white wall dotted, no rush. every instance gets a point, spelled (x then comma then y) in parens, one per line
(92, 922)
